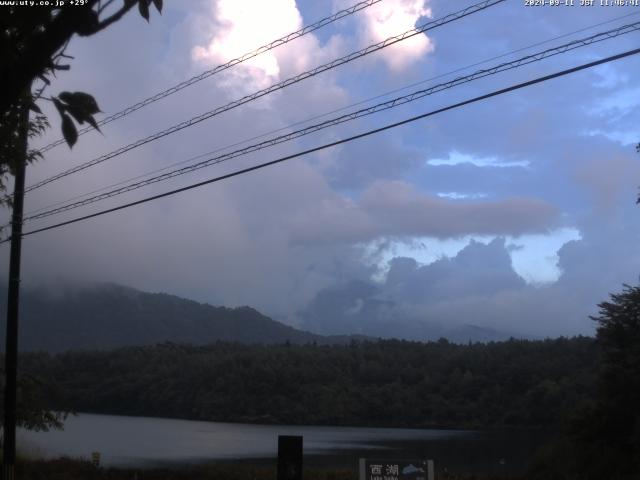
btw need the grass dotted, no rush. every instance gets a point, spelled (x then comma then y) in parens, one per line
(72, 469)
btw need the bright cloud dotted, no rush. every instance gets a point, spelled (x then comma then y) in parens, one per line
(457, 158)
(535, 257)
(393, 17)
(462, 196)
(240, 27)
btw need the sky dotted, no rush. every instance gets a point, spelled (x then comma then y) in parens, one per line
(515, 214)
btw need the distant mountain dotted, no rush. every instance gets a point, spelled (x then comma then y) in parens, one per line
(475, 333)
(105, 316)
(360, 307)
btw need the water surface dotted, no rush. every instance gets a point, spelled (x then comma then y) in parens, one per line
(145, 442)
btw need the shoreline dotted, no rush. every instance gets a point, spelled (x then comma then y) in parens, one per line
(383, 426)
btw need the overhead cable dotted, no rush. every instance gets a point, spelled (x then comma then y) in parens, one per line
(275, 87)
(220, 68)
(326, 114)
(340, 142)
(526, 60)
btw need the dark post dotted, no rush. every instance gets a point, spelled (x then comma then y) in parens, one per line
(11, 350)
(289, 457)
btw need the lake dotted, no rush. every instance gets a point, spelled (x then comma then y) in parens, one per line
(147, 442)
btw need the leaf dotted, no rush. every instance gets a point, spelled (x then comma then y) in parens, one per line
(88, 22)
(93, 123)
(69, 131)
(143, 6)
(59, 105)
(34, 108)
(80, 105)
(66, 97)
(158, 4)
(78, 115)
(44, 79)
(86, 101)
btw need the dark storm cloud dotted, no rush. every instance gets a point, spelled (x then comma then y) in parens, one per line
(403, 305)
(478, 269)
(476, 287)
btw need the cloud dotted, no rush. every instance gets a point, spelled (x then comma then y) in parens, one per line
(478, 286)
(401, 208)
(236, 28)
(240, 27)
(609, 179)
(393, 17)
(396, 209)
(409, 302)
(478, 270)
(457, 158)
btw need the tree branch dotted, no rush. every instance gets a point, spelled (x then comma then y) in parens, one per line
(128, 5)
(37, 54)
(102, 8)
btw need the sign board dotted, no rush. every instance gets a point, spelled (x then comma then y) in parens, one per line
(289, 457)
(377, 469)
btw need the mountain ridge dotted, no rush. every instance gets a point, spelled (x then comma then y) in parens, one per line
(103, 316)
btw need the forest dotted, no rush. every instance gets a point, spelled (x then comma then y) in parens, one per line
(382, 383)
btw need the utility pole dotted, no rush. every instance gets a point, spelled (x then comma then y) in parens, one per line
(11, 350)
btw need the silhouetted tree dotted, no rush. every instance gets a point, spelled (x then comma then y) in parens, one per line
(34, 396)
(603, 439)
(33, 40)
(618, 410)
(32, 46)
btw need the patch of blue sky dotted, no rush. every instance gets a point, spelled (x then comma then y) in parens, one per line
(619, 112)
(611, 77)
(623, 137)
(535, 257)
(618, 103)
(312, 11)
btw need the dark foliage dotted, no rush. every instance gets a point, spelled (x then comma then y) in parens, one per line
(69, 469)
(603, 439)
(33, 396)
(32, 48)
(386, 383)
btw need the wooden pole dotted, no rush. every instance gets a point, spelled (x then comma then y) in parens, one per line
(11, 350)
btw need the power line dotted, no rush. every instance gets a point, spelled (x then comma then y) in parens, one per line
(316, 117)
(345, 140)
(526, 60)
(219, 68)
(278, 86)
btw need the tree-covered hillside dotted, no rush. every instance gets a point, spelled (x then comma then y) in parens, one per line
(105, 316)
(386, 383)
